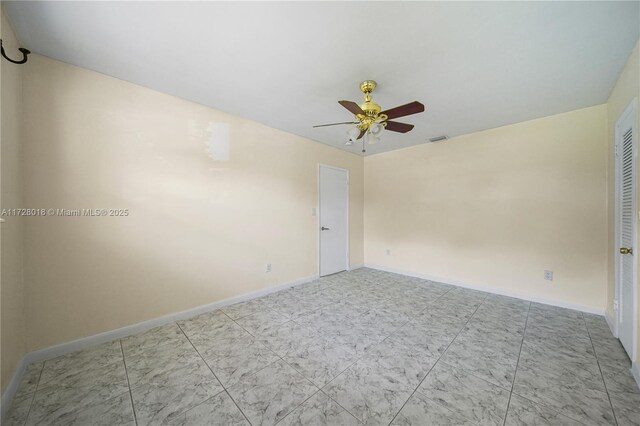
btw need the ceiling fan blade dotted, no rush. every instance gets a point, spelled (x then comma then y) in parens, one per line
(352, 106)
(336, 124)
(362, 132)
(394, 126)
(400, 111)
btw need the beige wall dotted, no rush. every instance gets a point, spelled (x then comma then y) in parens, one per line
(498, 207)
(201, 229)
(626, 89)
(494, 208)
(12, 323)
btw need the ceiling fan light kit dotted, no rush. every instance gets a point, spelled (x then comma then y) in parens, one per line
(354, 134)
(371, 120)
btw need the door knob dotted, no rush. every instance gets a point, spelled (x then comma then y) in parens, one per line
(324, 229)
(626, 250)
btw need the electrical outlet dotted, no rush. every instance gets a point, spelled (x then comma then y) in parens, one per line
(548, 275)
(388, 252)
(268, 267)
(314, 212)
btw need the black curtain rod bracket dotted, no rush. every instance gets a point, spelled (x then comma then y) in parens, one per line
(24, 51)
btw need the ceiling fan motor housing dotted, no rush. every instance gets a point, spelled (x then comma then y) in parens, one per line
(371, 109)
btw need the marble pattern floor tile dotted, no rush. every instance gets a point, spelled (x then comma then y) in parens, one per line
(578, 374)
(557, 331)
(405, 363)
(612, 353)
(573, 346)
(382, 320)
(257, 323)
(170, 371)
(295, 307)
(366, 392)
(30, 380)
(359, 340)
(469, 396)
(279, 297)
(492, 366)
(575, 400)
(626, 406)
(309, 288)
(326, 296)
(359, 347)
(420, 410)
(595, 321)
(247, 308)
(329, 325)
(619, 380)
(208, 324)
(77, 392)
(490, 342)
(321, 360)
(90, 358)
(115, 411)
(17, 413)
(150, 340)
(548, 317)
(432, 340)
(155, 404)
(319, 410)
(80, 379)
(219, 410)
(209, 338)
(549, 311)
(490, 318)
(283, 339)
(599, 332)
(561, 355)
(267, 396)
(523, 412)
(441, 320)
(237, 358)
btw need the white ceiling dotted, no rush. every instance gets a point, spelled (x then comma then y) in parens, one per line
(475, 65)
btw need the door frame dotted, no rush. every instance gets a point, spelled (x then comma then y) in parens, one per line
(319, 224)
(631, 109)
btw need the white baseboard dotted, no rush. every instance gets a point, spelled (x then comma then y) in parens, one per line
(575, 306)
(612, 324)
(107, 336)
(356, 266)
(635, 370)
(12, 387)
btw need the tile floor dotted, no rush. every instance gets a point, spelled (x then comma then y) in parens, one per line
(360, 347)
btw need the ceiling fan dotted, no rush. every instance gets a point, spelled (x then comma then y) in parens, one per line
(370, 120)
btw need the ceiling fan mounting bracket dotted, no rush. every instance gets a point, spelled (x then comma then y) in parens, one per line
(367, 86)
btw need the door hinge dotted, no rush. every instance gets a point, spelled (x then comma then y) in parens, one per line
(615, 305)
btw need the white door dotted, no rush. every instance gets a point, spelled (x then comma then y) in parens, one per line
(626, 147)
(334, 215)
